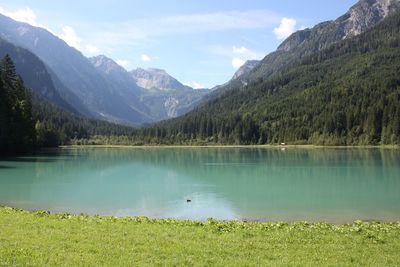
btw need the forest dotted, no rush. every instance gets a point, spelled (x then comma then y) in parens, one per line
(17, 128)
(345, 94)
(29, 122)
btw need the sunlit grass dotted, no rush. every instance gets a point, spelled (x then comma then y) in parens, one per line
(42, 239)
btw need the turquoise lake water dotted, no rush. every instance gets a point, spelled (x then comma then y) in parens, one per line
(331, 185)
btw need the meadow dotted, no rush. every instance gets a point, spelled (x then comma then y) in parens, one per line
(44, 239)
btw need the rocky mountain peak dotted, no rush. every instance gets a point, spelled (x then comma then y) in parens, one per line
(156, 79)
(245, 69)
(361, 17)
(106, 64)
(366, 14)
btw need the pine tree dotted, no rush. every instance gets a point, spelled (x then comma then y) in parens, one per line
(8, 69)
(17, 132)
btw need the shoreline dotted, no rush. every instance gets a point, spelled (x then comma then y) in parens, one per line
(394, 147)
(43, 213)
(230, 221)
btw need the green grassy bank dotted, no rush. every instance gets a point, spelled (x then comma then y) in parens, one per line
(42, 239)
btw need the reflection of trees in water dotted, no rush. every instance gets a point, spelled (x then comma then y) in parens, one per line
(251, 180)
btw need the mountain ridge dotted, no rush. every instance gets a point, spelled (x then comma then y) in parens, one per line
(345, 94)
(37, 76)
(169, 101)
(156, 79)
(106, 91)
(361, 17)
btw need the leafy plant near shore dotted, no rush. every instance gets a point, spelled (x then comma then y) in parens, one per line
(40, 238)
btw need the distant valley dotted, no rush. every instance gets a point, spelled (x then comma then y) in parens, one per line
(96, 87)
(336, 83)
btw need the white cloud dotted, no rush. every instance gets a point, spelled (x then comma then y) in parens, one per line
(245, 53)
(195, 85)
(91, 49)
(241, 55)
(137, 32)
(70, 37)
(286, 28)
(68, 34)
(145, 58)
(238, 62)
(26, 15)
(240, 50)
(23, 15)
(123, 63)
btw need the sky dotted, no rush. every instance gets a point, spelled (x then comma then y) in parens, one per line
(199, 42)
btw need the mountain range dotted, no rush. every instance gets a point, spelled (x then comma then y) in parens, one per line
(334, 83)
(97, 87)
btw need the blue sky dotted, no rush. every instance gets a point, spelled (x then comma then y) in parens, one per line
(201, 43)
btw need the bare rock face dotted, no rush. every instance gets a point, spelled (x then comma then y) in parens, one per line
(246, 68)
(155, 79)
(366, 14)
(105, 64)
(171, 105)
(160, 96)
(361, 17)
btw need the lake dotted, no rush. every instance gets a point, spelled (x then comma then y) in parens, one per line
(268, 184)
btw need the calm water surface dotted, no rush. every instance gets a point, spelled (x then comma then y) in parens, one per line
(333, 185)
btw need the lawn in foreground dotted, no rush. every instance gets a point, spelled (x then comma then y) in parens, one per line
(42, 239)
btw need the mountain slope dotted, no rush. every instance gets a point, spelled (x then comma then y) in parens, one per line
(74, 70)
(156, 79)
(121, 81)
(363, 16)
(159, 95)
(345, 94)
(166, 96)
(246, 68)
(35, 74)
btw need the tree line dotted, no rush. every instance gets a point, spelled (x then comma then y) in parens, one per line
(346, 94)
(17, 129)
(29, 122)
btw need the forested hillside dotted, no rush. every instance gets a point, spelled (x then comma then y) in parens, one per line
(346, 94)
(55, 126)
(17, 132)
(28, 121)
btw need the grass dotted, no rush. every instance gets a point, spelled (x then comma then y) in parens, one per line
(43, 239)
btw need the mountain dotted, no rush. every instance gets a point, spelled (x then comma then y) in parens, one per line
(165, 104)
(363, 16)
(336, 90)
(100, 88)
(37, 77)
(76, 72)
(165, 95)
(245, 69)
(156, 79)
(119, 80)
(159, 95)
(360, 18)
